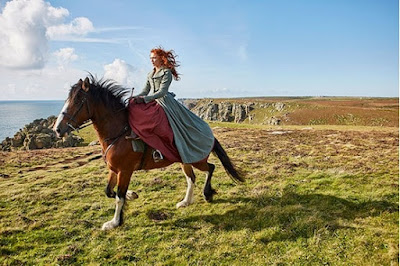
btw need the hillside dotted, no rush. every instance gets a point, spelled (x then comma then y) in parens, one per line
(314, 195)
(300, 110)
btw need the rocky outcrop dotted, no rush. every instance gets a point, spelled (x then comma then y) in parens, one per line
(223, 111)
(273, 121)
(237, 112)
(39, 135)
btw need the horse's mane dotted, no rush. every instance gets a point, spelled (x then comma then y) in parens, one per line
(103, 90)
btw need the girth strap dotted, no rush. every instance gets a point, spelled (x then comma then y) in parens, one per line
(143, 157)
(114, 140)
(142, 160)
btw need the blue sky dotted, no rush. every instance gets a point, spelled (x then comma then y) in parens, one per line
(226, 48)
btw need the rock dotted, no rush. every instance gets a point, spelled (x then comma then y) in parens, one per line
(224, 111)
(94, 143)
(279, 106)
(38, 135)
(18, 139)
(273, 121)
(72, 141)
(6, 144)
(43, 140)
(29, 143)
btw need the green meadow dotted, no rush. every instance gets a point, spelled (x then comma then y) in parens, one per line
(325, 195)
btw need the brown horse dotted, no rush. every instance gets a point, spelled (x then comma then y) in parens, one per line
(102, 102)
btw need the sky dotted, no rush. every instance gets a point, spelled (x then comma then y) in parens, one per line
(226, 48)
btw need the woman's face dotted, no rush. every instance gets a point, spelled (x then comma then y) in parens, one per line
(155, 60)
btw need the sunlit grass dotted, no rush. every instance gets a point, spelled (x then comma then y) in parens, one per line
(324, 195)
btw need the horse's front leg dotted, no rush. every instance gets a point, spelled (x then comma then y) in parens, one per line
(123, 180)
(112, 181)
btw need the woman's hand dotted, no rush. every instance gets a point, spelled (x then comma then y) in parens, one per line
(138, 100)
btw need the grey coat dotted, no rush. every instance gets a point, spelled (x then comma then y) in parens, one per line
(192, 135)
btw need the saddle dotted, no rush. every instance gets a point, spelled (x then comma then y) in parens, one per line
(139, 145)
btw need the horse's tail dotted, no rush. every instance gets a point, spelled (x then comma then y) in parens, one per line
(226, 162)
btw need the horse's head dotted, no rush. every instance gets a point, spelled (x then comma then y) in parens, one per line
(76, 109)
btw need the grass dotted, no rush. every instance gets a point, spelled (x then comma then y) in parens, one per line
(326, 195)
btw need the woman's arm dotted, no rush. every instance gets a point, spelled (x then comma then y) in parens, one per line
(145, 90)
(164, 86)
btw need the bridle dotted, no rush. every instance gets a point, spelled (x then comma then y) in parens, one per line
(71, 118)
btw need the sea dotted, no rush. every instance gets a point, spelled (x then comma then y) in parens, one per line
(14, 115)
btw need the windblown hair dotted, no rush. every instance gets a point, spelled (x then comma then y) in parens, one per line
(169, 60)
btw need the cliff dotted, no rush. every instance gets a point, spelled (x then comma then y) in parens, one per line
(299, 110)
(231, 111)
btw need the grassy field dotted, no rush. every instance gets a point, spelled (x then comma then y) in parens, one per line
(315, 196)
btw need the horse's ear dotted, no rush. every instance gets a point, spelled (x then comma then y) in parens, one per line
(86, 84)
(80, 82)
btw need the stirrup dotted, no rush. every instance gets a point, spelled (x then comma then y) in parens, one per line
(157, 156)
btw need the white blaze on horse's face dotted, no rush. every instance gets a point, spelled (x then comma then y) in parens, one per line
(57, 126)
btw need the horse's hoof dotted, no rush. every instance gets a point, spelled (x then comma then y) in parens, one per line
(182, 204)
(208, 196)
(109, 225)
(131, 195)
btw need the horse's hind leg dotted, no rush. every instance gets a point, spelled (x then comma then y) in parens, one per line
(208, 191)
(190, 179)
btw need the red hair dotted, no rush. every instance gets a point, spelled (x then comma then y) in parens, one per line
(169, 60)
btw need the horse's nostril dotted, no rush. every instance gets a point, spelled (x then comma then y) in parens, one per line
(58, 130)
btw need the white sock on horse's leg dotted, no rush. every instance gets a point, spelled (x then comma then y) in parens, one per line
(119, 202)
(189, 197)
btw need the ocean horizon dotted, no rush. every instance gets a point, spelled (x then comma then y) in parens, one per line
(15, 114)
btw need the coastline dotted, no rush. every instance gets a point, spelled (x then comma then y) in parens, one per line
(15, 114)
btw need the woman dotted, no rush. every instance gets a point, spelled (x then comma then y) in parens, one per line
(164, 123)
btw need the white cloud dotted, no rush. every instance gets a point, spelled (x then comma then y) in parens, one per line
(65, 55)
(26, 27)
(78, 27)
(49, 83)
(124, 73)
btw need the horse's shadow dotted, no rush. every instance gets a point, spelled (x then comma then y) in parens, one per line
(290, 215)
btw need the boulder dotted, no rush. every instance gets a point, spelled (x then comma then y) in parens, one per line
(18, 139)
(279, 106)
(273, 121)
(43, 140)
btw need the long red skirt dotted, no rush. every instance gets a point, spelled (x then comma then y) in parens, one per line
(150, 123)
